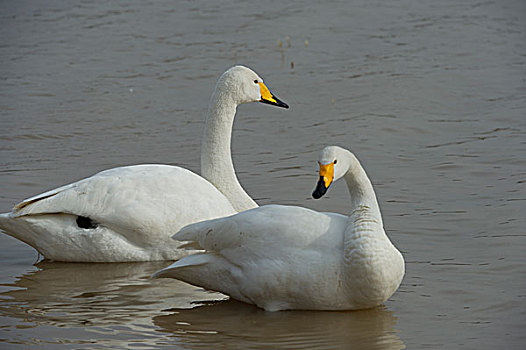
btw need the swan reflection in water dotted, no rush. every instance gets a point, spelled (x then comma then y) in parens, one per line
(235, 324)
(72, 294)
(115, 304)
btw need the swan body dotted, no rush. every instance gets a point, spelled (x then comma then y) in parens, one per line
(121, 214)
(285, 257)
(129, 213)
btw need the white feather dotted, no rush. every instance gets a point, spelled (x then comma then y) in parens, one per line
(283, 257)
(130, 212)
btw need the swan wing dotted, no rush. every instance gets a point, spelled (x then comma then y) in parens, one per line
(160, 196)
(265, 231)
(266, 256)
(136, 208)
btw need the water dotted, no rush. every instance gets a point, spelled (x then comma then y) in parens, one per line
(429, 95)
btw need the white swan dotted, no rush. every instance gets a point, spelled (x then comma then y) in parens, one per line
(129, 213)
(284, 257)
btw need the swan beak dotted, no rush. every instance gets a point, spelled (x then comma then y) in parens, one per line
(268, 97)
(326, 178)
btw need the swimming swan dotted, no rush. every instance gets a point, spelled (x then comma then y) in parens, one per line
(285, 257)
(129, 213)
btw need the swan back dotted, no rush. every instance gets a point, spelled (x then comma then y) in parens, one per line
(277, 257)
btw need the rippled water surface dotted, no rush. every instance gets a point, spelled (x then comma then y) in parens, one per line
(430, 95)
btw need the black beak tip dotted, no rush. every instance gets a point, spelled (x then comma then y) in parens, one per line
(316, 194)
(281, 104)
(278, 103)
(320, 189)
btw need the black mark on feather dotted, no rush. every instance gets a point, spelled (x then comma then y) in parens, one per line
(85, 222)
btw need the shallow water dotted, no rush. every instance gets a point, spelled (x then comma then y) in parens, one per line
(429, 95)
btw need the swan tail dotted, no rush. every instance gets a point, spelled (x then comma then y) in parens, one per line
(206, 270)
(11, 224)
(194, 232)
(190, 245)
(13, 221)
(175, 270)
(197, 269)
(5, 221)
(210, 235)
(28, 220)
(20, 228)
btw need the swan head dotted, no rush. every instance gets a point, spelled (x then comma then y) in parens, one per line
(244, 85)
(334, 162)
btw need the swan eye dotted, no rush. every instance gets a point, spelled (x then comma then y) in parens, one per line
(256, 81)
(335, 161)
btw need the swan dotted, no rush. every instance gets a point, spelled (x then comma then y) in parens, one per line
(286, 257)
(129, 213)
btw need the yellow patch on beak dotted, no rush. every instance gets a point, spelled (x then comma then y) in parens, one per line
(266, 95)
(268, 98)
(327, 172)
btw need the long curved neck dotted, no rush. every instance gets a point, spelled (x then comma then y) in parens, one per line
(365, 219)
(377, 267)
(216, 159)
(364, 206)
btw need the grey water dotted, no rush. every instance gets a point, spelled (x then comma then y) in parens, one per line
(430, 96)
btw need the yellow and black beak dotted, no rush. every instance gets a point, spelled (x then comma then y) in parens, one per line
(326, 178)
(269, 98)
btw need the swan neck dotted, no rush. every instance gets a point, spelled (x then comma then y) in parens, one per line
(216, 158)
(376, 267)
(364, 205)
